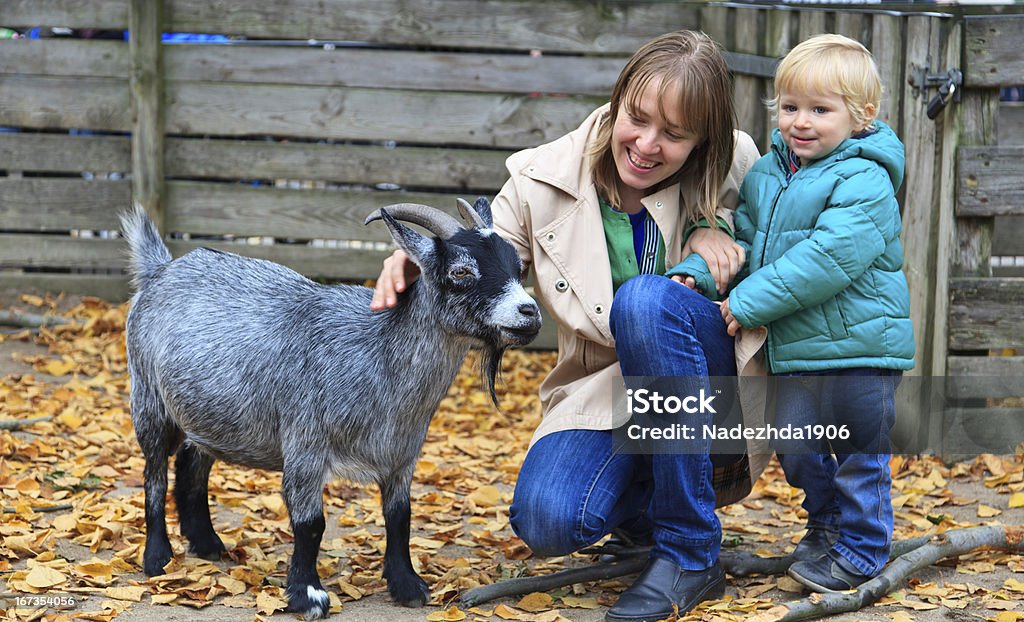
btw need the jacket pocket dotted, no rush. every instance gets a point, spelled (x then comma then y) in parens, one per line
(834, 319)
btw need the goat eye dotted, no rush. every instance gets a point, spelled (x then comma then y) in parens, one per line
(459, 273)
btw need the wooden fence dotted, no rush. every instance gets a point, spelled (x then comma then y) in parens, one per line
(278, 143)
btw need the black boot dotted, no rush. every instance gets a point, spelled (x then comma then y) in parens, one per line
(663, 584)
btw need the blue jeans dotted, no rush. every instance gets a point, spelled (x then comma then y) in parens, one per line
(849, 492)
(575, 486)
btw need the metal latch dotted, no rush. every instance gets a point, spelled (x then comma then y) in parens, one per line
(949, 84)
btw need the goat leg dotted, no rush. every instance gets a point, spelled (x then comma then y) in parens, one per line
(303, 494)
(158, 546)
(159, 438)
(405, 586)
(191, 492)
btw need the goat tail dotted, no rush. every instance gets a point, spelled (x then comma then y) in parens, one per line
(146, 248)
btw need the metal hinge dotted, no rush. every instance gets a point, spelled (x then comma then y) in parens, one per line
(948, 83)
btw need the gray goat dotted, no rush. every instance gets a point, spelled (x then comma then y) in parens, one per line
(246, 361)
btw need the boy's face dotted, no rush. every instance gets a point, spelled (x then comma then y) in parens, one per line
(813, 124)
(647, 147)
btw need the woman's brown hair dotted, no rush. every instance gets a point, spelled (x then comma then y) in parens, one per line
(693, 62)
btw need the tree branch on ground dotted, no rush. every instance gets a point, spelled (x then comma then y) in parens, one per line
(21, 319)
(907, 557)
(17, 424)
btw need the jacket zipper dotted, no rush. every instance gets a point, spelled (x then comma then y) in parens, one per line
(770, 349)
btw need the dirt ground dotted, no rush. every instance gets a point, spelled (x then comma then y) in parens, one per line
(761, 521)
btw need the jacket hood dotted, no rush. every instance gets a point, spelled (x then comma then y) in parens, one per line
(881, 146)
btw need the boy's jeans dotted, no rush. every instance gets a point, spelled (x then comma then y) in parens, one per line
(849, 492)
(575, 486)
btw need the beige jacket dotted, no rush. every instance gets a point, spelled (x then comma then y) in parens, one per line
(549, 210)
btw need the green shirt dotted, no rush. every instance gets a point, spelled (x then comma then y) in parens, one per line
(618, 235)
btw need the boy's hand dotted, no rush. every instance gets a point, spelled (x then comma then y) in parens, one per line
(398, 271)
(731, 325)
(724, 257)
(686, 280)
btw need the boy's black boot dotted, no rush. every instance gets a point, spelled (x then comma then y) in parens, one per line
(663, 584)
(827, 574)
(816, 543)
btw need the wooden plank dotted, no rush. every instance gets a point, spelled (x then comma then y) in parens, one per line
(945, 226)
(613, 26)
(147, 108)
(973, 431)
(992, 50)
(887, 49)
(1011, 123)
(989, 181)
(53, 153)
(461, 169)
(973, 377)
(96, 58)
(114, 288)
(780, 32)
(853, 24)
(811, 23)
(104, 14)
(50, 251)
(984, 313)
(234, 209)
(368, 114)
(978, 115)
(395, 69)
(314, 66)
(60, 251)
(749, 91)
(924, 35)
(1008, 236)
(51, 103)
(39, 204)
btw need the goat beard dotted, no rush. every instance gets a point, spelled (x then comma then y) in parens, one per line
(490, 368)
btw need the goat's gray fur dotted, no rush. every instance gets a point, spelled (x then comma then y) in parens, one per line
(246, 361)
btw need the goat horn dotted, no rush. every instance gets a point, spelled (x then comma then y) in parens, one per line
(432, 219)
(470, 214)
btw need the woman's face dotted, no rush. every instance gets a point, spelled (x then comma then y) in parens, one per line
(647, 147)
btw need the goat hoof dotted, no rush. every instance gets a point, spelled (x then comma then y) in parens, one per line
(312, 602)
(410, 591)
(154, 560)
(210, 550)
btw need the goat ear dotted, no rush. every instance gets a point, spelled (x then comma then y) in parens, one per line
(419, 248)
(483, 207)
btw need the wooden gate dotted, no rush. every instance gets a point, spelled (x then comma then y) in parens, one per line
(277, 143)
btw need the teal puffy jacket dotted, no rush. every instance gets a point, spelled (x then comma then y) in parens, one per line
(824, 259)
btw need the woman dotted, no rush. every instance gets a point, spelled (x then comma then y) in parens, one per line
(601, 215)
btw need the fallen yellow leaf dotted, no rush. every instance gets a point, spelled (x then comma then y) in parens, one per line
(1017, 500)
(985, 511)
(451, 614)
(132, 593)
(485, 496)
(44, 576)
(535, 601)
(267, 604)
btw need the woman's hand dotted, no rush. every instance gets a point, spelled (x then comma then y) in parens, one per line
(398, 272)
(731, 325)
(723, 256)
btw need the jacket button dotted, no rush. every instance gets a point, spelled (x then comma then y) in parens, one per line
(657, 204)
(561, 285)
(599, 309)
(550, 236)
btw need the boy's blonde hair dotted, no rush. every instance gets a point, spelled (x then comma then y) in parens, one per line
(832, 64)
(693, 62)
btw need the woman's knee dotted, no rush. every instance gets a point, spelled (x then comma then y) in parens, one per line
(650, 300)
(547, 528)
